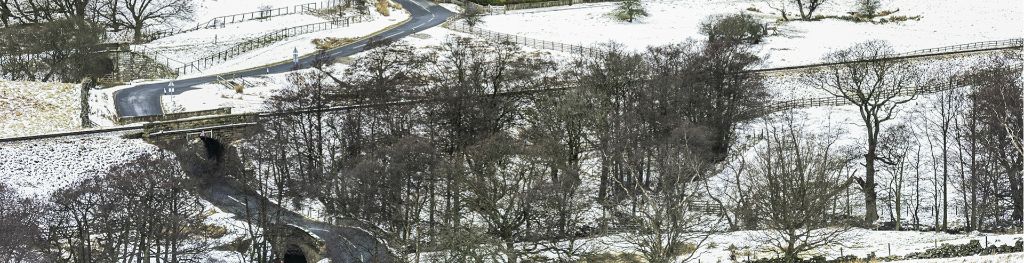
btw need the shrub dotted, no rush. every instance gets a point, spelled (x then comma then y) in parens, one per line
(265, 11)
(612, 258)
(331, 42)
(382, 7)
(473, 15)
(734, 29)
(868, 8)
(630, 10)
(331, 13)
(753, 9)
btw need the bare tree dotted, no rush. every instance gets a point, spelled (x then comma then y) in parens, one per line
(896, 146)
(872, 83)
(557, 129)
(805, 8)
(796, 176)
(998, 115)
(670, 221)
(20, 222)
(472, 14)
(140, 14)
(139, 211)
(503, 190)
(940, 116)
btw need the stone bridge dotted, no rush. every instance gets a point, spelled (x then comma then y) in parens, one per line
(294, 244)
(215, 133)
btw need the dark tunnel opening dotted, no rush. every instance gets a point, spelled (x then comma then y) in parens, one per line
(294, 255)
(214, 149)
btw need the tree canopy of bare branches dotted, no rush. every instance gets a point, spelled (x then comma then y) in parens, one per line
(796, 177)
(876, 86)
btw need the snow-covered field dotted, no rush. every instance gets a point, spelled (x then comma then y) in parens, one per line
(943, 23)
(859, 242)
(29, 108)
(37, 168)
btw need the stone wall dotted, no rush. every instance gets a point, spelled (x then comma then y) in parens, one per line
(173, 116)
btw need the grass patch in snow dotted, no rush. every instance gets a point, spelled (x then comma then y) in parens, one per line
(30, 108)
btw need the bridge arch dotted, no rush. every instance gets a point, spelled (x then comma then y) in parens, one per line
(294, 254)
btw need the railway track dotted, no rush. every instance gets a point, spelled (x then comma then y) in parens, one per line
(120, 130)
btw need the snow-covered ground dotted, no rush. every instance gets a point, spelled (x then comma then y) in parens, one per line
(30, 108)
(282, 51)
(215, 95)
(208, 9)
(859, 242)
(37, 168)
(942, 23)
(1002, 258)
(189, 46)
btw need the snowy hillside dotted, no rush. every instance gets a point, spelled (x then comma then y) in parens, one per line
(37, 168)
(29, 108)
(942, 23)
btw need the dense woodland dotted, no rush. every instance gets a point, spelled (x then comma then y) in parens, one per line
(479, 152)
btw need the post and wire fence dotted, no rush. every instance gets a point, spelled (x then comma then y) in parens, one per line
(221, 21)
(263, 41)
(453, 24)
(951, 83)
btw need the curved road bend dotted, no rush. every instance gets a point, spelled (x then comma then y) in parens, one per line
(144, 100)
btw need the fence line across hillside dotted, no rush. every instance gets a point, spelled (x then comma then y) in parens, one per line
(221, 21)
(950, 84)
(534, 5)
(262, 41)
(525, 41)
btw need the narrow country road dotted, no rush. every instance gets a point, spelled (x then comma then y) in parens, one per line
(144, 100)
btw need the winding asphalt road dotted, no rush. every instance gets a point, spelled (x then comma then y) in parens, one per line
(144, 100)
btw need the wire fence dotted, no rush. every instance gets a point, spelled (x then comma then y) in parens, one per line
(951, 83)
(263, 41)
(521, 6)
(976, 46)
(936, 51)
(453, 24)
(221, 21)
(158, 57)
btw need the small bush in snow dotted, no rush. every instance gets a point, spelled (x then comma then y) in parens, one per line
(630, 10)
(868, 8)
(265, 11)
(610, 257)
(734, 29)
(472, 15)
(382, 7)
